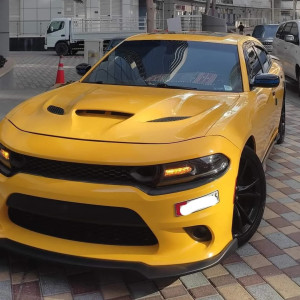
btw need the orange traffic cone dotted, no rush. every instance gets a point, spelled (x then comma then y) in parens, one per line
(60, 76)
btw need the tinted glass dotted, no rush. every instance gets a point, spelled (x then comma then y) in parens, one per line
(294, 32)
(171, 64)
(279, 31)
(253, 63)
(263, 57)
(264, 31)
(287, 29)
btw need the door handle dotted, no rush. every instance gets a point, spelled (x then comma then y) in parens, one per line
(63, 35)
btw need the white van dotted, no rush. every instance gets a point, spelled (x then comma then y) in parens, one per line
(286, 48)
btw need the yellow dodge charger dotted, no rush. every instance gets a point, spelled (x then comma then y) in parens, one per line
(153, 161)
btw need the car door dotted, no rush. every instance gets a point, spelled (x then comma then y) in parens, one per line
(285, 49)
(278, 42)
(291, 52)
(57, 31)
(264, 99)
(276, 92)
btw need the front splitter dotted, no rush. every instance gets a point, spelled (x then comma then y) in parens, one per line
(147, 270)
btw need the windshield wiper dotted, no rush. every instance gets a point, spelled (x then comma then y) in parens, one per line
(165, 85)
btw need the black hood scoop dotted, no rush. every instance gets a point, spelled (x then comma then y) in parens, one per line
(56, 110)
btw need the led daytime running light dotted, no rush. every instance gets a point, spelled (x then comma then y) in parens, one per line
(177, 171)
(4, 154)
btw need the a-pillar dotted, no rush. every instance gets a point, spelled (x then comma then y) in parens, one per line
(4, 27)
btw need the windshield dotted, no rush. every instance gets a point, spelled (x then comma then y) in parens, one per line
(171, 64)
(265, 31)
(55, 26)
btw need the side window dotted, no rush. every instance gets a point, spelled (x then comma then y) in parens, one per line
(295, 33)
(279, 31)
(286, 30)
(55, 26)
(253, 64)
(264, 59)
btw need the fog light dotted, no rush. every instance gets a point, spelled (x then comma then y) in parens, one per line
(188, 207)
(199, 233)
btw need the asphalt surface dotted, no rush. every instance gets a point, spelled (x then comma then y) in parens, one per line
(268, 267)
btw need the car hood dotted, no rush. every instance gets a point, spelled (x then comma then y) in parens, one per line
(122, 113)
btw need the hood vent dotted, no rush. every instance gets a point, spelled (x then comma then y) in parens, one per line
(169, 119)
(56, 110)
(93, 113)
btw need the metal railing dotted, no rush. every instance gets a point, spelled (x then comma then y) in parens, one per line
(188, 23)
(107, 24)
(251, 22)
(191, 23)
(28, 28)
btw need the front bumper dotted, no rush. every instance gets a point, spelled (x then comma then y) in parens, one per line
(146, 270)
(175, 253)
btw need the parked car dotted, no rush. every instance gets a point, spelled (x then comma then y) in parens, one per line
(286, 48)
(265, 34)
(153, 161)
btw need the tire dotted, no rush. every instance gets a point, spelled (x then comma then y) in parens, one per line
(250, 197)
(281, 128)
(61, 48)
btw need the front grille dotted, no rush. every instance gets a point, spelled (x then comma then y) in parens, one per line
(80, 222)
(75, 171)
(122, 175)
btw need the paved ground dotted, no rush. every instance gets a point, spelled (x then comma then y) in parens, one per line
(39, 71)
(267, 268)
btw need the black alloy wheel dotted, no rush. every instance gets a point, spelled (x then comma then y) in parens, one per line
(62, 48)
(250, 197)
(281, 128)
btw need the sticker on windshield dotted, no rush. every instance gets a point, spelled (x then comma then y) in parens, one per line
(227, 88)
(205, 78)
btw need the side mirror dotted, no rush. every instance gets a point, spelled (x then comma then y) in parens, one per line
(82, 69)
(266, 80)
(289, 38)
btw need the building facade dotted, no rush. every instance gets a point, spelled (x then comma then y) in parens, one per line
(31, 17)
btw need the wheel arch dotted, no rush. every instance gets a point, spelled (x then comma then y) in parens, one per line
(251, 143)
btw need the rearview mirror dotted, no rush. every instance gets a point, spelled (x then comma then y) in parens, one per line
(289, 38)
(266, 80)
(82, 69)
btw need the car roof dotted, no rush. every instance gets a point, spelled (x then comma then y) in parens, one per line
(202, 36)
(296, 20)
(267, 25)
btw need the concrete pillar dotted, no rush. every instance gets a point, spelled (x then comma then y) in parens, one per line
(4, 27)
(277, 11)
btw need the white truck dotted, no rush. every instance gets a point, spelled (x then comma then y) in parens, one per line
(67, 35)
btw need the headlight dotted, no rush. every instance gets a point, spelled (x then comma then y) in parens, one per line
(207, 167)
